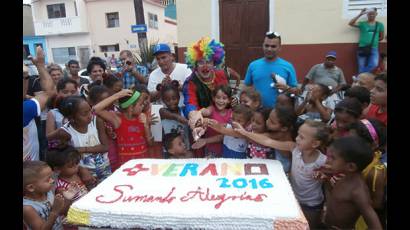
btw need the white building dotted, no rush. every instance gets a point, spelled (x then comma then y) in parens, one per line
(79, 29)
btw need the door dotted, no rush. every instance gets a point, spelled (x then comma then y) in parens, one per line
(84, 54)
(243, 24)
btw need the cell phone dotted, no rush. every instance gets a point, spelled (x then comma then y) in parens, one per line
(274, 78)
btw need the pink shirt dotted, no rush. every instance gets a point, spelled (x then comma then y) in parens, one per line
(216, 148)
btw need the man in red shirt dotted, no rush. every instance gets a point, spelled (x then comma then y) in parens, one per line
(378, 99)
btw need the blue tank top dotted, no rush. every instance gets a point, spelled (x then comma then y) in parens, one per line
(43, 209)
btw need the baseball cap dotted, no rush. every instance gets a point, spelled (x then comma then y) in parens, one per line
(160, 48)
(331, 54)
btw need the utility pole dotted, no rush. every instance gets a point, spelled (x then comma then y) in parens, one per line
(139, 17)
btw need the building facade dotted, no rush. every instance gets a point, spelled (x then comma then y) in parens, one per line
(309, 28)
(110, 27)
(64, 24)
(79, 29)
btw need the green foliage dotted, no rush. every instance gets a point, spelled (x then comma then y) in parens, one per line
(145, 57)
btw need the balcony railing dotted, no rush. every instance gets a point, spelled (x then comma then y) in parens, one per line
(59, 26)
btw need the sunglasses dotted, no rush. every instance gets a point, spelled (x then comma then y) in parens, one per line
(271, 35)
(126, 62)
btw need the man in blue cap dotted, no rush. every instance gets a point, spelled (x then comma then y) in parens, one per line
(168, 71)
(327, 73)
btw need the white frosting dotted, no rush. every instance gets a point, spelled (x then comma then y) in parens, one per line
(277, 201)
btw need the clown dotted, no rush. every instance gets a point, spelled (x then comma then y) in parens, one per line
(205, 58)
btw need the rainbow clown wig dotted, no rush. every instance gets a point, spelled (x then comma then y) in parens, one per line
(205, 49)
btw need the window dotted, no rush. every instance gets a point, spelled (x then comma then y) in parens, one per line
(152, 21)
(110, 48)
(63, 55)
(113, 20)
(352, 8)
(56, 11)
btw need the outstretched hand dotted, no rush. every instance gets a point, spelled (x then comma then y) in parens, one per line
(198, 132)
(195, 119)
(124, 93)
(323, 173)
(239, 128)
(212, 123)
(199, 143)
(39, 60)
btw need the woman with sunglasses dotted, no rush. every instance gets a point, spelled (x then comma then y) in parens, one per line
(203, 57)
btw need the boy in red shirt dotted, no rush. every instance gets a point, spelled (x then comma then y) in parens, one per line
(378, 99)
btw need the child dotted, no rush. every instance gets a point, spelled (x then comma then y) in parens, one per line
(130, 125)
(362, 94)
(347, 112)
(234, 144)
(65, 88)
(286, 99)
(221, 112)
(348, 198)
(113, 84)
(312, 107)
(172, 118)
(251, 98)
(86, 132)
(374, 133)
(281, 127)
(258, 124)
(98, 93)
(175, 147)
(306, 159)
(378, 97)
(41, 209)
(65, 162)
(155, 148)
(147, 108)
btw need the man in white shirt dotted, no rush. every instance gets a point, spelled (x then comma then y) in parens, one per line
(168, 71)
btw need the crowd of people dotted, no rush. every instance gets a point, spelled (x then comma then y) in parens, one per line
(329, 136)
